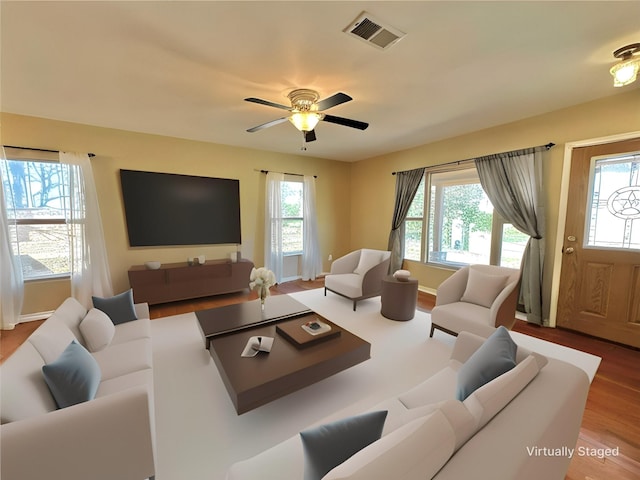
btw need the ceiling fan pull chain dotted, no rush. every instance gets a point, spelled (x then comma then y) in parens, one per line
(304, 142)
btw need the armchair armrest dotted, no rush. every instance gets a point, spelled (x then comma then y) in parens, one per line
(452, 289)
(346, 263)
(504, 306)
(372, 279)
(102, 439)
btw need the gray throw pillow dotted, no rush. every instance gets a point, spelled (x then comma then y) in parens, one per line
(495, 356)
(119, 308)
(327, 446)
(73, 377)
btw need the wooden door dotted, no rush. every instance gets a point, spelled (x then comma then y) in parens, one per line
(600, 279)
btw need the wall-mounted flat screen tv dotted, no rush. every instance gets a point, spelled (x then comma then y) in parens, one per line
(164, 209)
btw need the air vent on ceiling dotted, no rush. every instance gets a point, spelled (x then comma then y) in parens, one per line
(374, 32)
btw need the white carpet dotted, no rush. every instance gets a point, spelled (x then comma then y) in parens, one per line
(199, 433)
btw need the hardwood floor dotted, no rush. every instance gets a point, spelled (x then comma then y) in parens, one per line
(612, 415)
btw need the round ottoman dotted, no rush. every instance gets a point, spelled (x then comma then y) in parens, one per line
(399, 298)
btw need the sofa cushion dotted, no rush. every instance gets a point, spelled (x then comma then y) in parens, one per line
(133, 330)
(483, 288)
(97, 330)
(496, 356)
(71, 312)
(488, 400)
(348, 284)
(331, 444)
(123, 358)
(24, 394)
(74, 377)
(368, 260)
(125, 382)
(415, 451)
(51, 339)
(119, 308)
(440, 386)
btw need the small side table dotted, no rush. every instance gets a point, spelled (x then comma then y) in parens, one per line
(399, 298)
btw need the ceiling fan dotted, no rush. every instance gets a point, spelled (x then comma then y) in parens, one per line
(307, 111)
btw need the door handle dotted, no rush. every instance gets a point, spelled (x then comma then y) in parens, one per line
(569, 250)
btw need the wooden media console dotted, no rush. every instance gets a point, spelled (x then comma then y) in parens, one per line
(180, 281)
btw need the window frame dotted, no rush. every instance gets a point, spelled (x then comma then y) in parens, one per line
(431, 215)
(283, 218)
(32, 156)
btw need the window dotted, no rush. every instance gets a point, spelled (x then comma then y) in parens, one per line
(36, 195)
(451, 222)
(292, 217)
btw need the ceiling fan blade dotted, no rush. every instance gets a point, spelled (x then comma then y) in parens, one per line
(333, 100)
(267, 103)
(347, 122)
(268, 124)
(309, 136)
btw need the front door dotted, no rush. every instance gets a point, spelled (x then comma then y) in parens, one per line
(600, 279)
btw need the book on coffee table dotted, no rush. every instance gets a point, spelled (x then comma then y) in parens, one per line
(308, 330)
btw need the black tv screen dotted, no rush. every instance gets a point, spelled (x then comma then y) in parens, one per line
(164, 209)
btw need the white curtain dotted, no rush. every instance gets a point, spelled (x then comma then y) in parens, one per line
(11, 282)
(311, 257)
(89, 266)
(273, 256)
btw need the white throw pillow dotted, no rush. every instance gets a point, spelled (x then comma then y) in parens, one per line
(415, 451)
(97, 329)
(368, 260)
(482, 288)
(488, 400)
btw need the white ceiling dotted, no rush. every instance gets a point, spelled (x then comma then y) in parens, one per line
(183, 68)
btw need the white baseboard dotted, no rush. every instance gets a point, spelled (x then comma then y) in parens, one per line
(32, 317)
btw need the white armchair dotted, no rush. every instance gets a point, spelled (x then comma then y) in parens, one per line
(358, 275)
(477, 299)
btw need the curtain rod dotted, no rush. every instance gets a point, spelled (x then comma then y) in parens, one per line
(468, 160)
(284, 173)
(41, 149)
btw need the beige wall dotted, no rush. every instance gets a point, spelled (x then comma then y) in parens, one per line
(116, 149)
(366, 188)
(609, 116)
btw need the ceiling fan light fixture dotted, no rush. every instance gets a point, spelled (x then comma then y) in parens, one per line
(305, 121)
(627, 70)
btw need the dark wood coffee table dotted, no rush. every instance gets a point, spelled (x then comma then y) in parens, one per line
(255, 381)
(231, 318)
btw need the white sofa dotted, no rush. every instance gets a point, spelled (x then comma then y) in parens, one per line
(500, 432)
(109, 437)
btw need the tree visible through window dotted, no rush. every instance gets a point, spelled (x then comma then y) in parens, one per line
(36, 195)
(462, 227)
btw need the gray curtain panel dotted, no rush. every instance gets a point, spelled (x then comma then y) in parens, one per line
(406, 187)
(512, 181)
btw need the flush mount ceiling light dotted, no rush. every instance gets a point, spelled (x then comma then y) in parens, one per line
(626, 71)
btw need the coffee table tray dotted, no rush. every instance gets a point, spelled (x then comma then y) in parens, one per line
(294, 332)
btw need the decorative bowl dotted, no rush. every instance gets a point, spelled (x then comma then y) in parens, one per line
(153, 265)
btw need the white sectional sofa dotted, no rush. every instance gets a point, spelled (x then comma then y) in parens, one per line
(519, 426)
(106, 438)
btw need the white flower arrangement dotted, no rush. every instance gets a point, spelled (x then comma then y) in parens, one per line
(260, 280)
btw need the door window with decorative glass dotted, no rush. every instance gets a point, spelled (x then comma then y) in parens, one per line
(614, 203)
